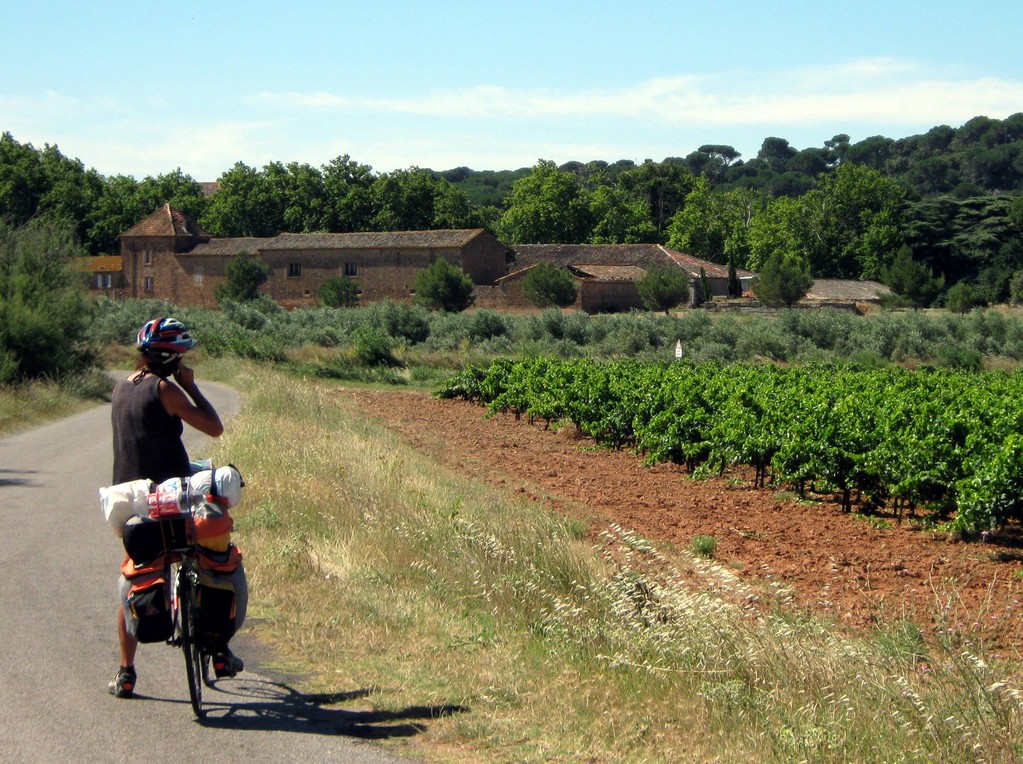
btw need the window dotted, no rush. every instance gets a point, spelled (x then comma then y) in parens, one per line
(147, 257)
(294, 270)
(147, 284)
(104, 280)
(197, 276)
(351, 269)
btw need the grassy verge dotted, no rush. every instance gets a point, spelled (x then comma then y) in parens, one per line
(373, 569)
(34, 403)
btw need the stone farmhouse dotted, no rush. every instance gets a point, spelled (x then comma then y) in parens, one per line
(169, 256)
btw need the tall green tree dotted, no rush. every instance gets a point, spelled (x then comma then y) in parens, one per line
(404, 200)
(776, 153)
(548, 206)
(453, 209)
(417, 200)
(300, 202)
(662, 186)
(35, 182)
(44, 313)
(548, 285)
(443, 286)
(700, 227)
(734, 284)
(348, 192)
(714, 225)
(846, 228)
(663, 287)
(244, 205)
(618, 220)
(124, 201)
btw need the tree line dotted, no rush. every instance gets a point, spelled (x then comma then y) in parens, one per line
(938, 216)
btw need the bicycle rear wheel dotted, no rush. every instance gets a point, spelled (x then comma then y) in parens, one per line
(195, 662)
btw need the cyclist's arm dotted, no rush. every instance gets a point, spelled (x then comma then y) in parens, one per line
(198, 412)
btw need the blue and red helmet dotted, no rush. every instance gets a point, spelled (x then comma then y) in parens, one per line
(164, 339)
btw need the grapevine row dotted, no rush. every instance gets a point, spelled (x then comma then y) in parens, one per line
(950, 442)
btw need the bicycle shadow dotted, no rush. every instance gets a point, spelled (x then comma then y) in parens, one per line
(269, 705)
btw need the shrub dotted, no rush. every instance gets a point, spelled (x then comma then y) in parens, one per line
(704, 546)
(663, 287)
(244, 275)
(485, 325)
(373, 348)
(548, 285)
(338, 292)
(443, 286)
(397, 320)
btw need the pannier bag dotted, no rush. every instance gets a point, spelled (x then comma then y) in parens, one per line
(216, 616)
(213, 527)
(148, 611)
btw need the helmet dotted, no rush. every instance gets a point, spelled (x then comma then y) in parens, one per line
(164, 339)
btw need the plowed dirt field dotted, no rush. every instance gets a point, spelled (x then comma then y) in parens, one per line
(837, 564)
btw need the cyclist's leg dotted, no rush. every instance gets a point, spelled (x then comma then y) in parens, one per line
(123, 684)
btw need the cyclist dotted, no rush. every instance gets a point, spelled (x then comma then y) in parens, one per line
(147, 411)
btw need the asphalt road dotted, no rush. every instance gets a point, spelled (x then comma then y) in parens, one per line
(58, 647)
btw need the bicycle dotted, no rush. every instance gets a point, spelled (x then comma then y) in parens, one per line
(183, 579)
(185, 595)
(185, 617)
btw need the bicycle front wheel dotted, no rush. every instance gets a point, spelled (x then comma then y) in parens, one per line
(191, 646)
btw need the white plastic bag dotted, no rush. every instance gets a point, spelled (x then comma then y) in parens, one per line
(124, 501)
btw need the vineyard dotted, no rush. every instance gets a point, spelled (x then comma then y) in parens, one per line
(944, 445)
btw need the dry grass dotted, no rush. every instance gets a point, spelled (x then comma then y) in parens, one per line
(40, 401)
(371, 567)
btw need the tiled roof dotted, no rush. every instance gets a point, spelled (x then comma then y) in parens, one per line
(166, 221)
(367, 240)
(641, 255)
(99, 264)
(609, 272)
(248, 244)
(374, 239)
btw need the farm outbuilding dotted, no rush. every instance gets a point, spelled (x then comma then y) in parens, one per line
(608, 273)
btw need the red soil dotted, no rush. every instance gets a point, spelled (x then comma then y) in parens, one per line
(836, 564)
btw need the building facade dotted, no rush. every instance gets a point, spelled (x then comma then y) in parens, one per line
(168, 256)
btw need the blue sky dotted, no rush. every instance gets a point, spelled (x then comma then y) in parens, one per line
(141, 88)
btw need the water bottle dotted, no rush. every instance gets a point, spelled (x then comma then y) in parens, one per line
(165, 503)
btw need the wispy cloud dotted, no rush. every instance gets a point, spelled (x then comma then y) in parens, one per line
(880, 91)
(495, 126)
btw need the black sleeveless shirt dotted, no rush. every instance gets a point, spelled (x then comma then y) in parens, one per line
(147, 440)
